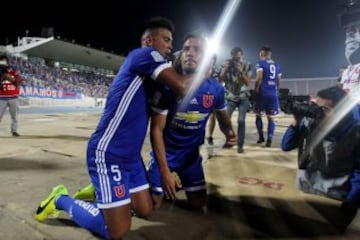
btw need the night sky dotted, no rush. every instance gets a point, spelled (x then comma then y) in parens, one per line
(305, 35)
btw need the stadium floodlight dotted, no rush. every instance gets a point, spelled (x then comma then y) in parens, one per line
(224, 21)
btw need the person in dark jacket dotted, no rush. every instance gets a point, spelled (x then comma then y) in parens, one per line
(328, 165)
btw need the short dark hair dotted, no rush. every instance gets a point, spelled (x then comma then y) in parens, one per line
(160, 22)
(334, 93)
(235, 50)
(265, 49)
(192, 35)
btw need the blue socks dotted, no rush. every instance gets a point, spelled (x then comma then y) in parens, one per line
(85, 214)
(271, 129)
(259, 126)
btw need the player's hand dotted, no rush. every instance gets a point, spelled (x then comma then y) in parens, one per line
(169, 184)
(231, 140)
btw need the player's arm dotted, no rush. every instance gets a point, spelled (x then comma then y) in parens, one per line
(157, 125)
(279, 80)
(226, 127)
(175, 81)
(259, 76)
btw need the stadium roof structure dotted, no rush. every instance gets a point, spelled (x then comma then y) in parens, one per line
(61, 50)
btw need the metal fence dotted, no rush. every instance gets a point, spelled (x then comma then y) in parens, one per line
(306, 86)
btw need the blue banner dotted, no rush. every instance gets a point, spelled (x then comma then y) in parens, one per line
(41, 92)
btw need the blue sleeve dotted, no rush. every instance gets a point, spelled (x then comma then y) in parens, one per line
(291, 138)
(147, 62)
(161, 98)
(259, 65)
(354, 194)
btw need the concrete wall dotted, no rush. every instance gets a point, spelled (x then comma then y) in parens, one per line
(85, 102)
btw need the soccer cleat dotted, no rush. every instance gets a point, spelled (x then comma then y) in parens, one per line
(47, 206)
(86, 194)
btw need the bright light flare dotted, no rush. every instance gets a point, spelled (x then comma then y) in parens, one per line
(224, 21)
(212, 46)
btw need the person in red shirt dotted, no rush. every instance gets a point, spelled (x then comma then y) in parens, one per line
(9, 93)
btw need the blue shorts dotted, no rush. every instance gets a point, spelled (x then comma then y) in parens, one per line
(187, 163)
(114, 180)
(268, 105)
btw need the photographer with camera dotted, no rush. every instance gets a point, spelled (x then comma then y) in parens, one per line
(9, 93)
(330, 168)
(236, 74)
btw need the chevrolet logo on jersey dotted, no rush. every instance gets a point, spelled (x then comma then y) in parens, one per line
(191, 117)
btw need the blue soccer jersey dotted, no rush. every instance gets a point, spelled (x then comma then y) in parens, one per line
(271, 73)
(185, 127)
(114, 149)
(185, 132)
(268, 100)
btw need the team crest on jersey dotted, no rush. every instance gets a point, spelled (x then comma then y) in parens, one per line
(119, 191)
(157, 56)
(208, 101)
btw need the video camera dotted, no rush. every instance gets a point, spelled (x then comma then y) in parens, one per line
(302, 109)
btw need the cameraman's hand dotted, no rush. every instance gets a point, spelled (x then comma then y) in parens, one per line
(225, 66)
(239, 67)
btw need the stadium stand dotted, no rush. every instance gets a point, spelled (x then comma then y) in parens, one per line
(61, 71)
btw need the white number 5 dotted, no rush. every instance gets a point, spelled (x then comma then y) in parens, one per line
(117, 173)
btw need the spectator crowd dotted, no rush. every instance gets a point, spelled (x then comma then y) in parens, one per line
(36, 73)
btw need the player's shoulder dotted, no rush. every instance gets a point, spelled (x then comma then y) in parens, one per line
(213, 84)
(147, 52)
(213, 81)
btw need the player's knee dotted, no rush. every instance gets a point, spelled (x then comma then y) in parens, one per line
(119, 232)
(157, 201)
(144, 211)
